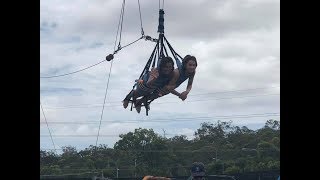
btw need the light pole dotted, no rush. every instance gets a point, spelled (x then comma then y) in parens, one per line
(216, 157)
(216, 154)
(117, 172)
(135, 168)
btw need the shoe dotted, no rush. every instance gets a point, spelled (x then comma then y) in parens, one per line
(138, 108)
(138, 105)
(125, 103)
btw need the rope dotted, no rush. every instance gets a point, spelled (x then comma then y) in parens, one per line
(93, 64)
(176, 119)
(123, 4)
(121, 19)
(115, 51)
(165, 50)
(142, 32)
(161, 55)
(104, 101)
(118, 28)
(47, 126)
(156, 55)
(163, 4)
(72, 72)
(119, 47)
(131, 43)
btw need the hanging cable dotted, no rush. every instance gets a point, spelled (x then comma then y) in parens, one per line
(131, 43)
(176, 119)
(108, 58)
(112, 103)
(142, 32)
(48, 126)
(119, 47)
(115, 43)
(104, 101)
(162, 4)
(74, 71)
(191, 95)
(123, 4)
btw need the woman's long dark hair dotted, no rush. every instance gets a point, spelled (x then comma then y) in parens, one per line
(164, 61)
(186, 59)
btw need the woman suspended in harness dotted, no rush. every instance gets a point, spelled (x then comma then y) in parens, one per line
(185, 71)
(157, 78)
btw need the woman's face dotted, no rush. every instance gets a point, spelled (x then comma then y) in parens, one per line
(191, 66)
(167, 68)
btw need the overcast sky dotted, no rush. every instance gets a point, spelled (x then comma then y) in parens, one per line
(236, 43)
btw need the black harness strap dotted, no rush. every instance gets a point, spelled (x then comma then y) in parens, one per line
(157, 55)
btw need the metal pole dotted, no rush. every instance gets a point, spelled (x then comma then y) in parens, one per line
(135, 168)
(117, 173)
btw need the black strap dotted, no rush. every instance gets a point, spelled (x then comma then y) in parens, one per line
(147, 66)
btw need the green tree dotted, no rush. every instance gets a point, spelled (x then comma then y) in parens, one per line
(222, 147)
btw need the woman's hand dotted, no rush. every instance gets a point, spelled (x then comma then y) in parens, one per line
(154, 74)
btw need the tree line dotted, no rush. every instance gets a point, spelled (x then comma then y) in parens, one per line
(221, 146)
